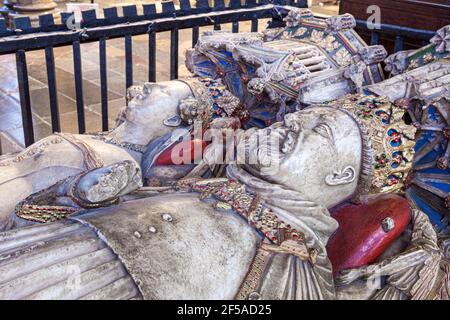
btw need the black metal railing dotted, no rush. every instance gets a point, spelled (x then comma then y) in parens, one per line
(398, 33)
(48, 35)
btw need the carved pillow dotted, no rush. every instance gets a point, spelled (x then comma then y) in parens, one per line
(366, 230)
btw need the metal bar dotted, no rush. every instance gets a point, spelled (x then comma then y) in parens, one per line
(254, 27)
(195, 34)
(235, 27)
(79, 86)
(52, 89)
(398, 44)
(60, 38)
(174, 54)
(374, 38)
(128, 61)
(25, 102)
(103, 83)
(119, 26)
(152, 56)
(399, 31)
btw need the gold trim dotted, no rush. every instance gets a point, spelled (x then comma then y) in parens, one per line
(253, 276)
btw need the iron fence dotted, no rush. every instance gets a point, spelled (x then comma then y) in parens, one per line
(24, 37)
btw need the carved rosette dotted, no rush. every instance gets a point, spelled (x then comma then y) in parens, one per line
(442, 40)
(297, 16)
(342, 22)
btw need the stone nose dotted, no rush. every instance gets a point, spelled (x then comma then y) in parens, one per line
(289, 117)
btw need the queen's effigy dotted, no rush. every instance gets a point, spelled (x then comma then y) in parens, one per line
(285, 167)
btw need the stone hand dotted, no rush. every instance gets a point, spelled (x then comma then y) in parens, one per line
(103, 184)
(346, 277)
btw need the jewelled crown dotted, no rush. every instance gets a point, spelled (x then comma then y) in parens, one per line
(388, 142)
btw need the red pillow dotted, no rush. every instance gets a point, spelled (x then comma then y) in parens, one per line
(366, 230)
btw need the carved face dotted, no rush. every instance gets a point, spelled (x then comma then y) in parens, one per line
(155, 103)
(154, 100)
(319, 154)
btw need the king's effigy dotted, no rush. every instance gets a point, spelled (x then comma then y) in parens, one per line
(285, 167)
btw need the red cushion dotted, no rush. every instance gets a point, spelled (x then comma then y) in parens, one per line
(193, 147)
(360, 239)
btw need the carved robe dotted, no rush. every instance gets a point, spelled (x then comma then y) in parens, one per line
(173, 246)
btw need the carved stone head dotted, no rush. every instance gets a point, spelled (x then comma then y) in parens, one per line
(319, 154)
(152, 104)
(354, 146)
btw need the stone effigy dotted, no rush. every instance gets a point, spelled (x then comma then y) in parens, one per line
(260, 77)
(273, 223)
(21, 173)
(288, 226)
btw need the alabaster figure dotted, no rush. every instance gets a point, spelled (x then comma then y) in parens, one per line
(336, 185)
(257, 233)
(254, 79)
(62, 155)
(156, 112)
(422, 92)
(160, 113)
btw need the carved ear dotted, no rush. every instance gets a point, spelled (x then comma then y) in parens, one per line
(345, 176)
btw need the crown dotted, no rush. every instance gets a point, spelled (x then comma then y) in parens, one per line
(388, 142)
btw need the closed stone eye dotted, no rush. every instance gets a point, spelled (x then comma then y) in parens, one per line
(324, 130)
